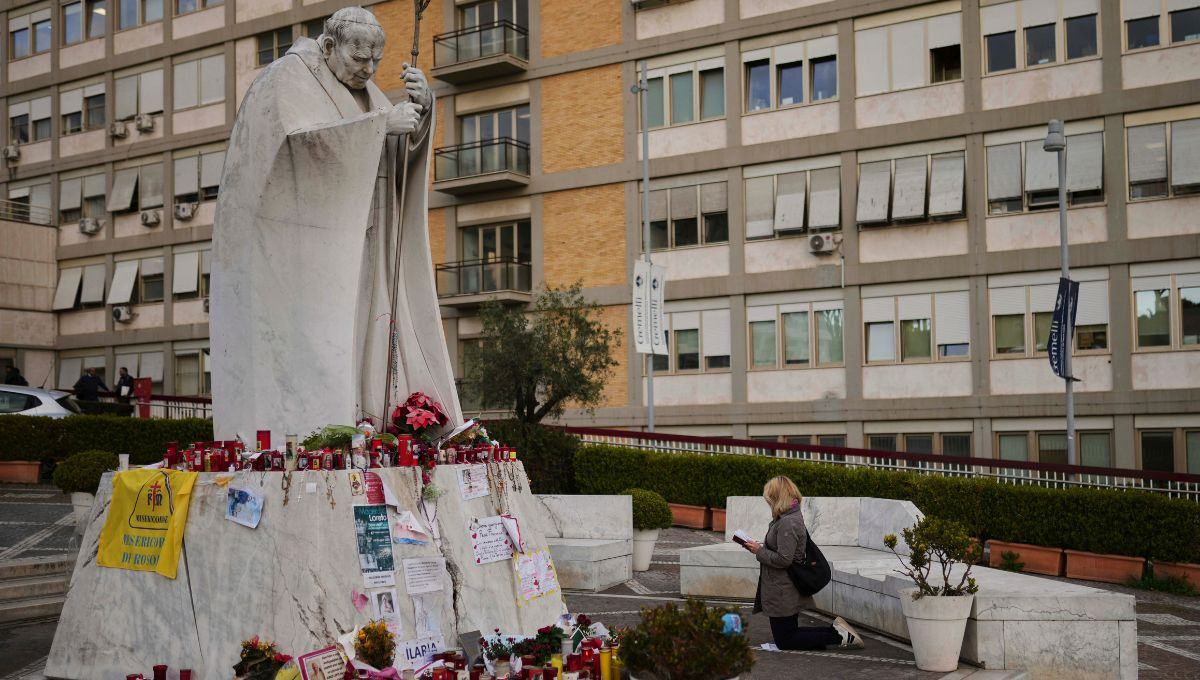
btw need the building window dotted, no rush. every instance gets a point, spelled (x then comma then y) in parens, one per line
(18, 43)
(1001, 51)
(945, 64)
(72, 16)
(80, 287)
(199, 82)
(795, 335)
(81, 109)
(189, 6)
(191, 274)
(136, 189)
(1192, 447)
(1185, 25)
(924, 188)
(1039, 45)
(1095, 449)
(137, 12)
(698, 341)
(1024, 177)
(1141, 33)
(1021, 317)
(193, 373)
(29, 121)
(84, 20)
(775, 76)
(18, 128)
(1167, 311)
(94, 116)
(198, 177)
(150, 281)
(675, 98)
(492, 248)
(1081, 36)
(758, 85)
(793, 202)
(689, 216)
(81, 197)
(140, 93)
(1158, 450)
(924, 327)
(273, 44)
(490, 12)
(30, 204)
(905, 55)
(1151, 173)
(313, 28)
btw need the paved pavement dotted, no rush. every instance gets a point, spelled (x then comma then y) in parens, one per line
(36, 521)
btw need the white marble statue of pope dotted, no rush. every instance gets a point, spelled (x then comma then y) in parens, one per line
(315, 215)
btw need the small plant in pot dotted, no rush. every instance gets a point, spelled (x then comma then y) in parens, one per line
(685, 643)
(937, 609)
(79, 475)
(650, 513)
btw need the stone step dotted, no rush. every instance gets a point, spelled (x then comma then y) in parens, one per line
(981, 674)
(36, 566)
(33, 586)
(31, 608)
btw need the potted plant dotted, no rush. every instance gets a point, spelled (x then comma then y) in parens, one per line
(261, 660)
(937, 612)
(499, 651)
(1037, 559)
(650, 513)
(685, 643)
(79, 475)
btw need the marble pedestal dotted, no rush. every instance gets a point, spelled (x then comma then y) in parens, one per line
(290, 580)
(590, 538)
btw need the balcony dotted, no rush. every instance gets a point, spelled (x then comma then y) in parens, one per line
(22, 211)
(480, 52)
(487, 165)
(472, 282)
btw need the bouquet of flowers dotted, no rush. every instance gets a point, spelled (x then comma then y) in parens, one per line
(260, 660)
(497, 647)
(420, 416)
(375, 645)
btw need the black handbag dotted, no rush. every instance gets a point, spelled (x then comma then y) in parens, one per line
(811, 573)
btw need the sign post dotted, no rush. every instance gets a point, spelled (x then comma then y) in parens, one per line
(1068, 291)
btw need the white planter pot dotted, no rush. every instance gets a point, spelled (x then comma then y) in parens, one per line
(936, 626)
(643, 548)
(82, 502)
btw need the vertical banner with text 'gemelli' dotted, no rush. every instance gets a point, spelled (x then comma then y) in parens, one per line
(146, 520)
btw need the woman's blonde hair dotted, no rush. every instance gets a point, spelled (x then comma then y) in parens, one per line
(781, 494)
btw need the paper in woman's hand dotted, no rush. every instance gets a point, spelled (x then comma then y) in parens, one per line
(742, 538)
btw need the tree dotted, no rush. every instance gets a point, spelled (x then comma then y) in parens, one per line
(536, 362)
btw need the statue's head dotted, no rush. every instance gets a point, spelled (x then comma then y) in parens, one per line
(352, 44)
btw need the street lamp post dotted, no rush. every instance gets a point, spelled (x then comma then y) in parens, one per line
(642, 89)
(1056, 141)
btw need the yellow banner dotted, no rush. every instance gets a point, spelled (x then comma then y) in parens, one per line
(146, 519)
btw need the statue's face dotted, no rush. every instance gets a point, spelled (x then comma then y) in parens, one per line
(355, 58)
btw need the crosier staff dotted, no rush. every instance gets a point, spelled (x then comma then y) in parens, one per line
(419, 7)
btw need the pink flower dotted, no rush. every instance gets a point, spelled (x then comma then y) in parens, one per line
(420, 419)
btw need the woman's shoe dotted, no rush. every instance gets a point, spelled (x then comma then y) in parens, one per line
(850, 637)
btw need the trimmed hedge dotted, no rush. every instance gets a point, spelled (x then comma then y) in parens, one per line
(650, 510)
(1132, 523)
(54, 439)
(548, 455)
(82, 472)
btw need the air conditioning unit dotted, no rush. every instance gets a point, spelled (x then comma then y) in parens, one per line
(12, 152)
(144, 122)
(185, 211)
(89, 226)
(122, 314)
(118, 129)
(822, 243)
(150, 218)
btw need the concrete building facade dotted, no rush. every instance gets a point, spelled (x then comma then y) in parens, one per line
(851, 199)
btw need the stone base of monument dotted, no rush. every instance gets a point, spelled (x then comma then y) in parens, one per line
(590, 538)
(292, 578)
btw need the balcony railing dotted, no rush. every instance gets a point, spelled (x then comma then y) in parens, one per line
(480, 42)
(16, 211)
(478, 277)
(501, 163)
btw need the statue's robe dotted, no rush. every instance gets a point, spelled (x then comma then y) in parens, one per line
(315, 214)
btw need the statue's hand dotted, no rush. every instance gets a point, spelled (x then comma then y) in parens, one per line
(417, 86)
(404, 118)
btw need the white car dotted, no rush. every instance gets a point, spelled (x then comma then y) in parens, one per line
(34, 401)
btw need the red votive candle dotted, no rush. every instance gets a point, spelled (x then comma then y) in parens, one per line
(574, 662)
(185, 674)
(160, 672)
(263, 438)
(549, 673)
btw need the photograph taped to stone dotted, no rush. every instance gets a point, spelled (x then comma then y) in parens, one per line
(386, 606)
(244, 507)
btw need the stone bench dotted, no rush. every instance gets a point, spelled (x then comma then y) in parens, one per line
(1052, 629)
(590, 539)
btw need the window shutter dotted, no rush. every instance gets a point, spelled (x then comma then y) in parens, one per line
(1138, 9)
(1093, 303)
(1085, 162)
(685, 321)
(716, 333)
(127, 98)
(914, 307)
(211, 165)
(152, 366)
(1041, 167)
(18, 109)
(1078, 8)
(150, 86)
(658, 205)
(39, 108)
(1185, 152)
(946, 185)
(789, 201)
(683, 203)
(187, 175)
(760, 208)
(874, 189)
(714, 198)
(70, 102)
(871, 61)
(130, 362)
(878, 309)
(187, 92)
(1042, 298)
(70, 193)
(68, 286)
(205, 261)
(69, 371)
(93, 284)
(152, 266)
(187, 269)
(93, 90)
(93, 185)
(944, 30)
(124, 184)
(881, 342)
(212, 79)
(122, 283)
(908, 55)
(909, 192)
(150, 195)
(39, 197)
(1147, 153)
(1038, 12)
(825, 201)
(952, 319)
(1007, 300)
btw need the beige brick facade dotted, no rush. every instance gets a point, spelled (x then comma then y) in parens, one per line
(437, 234)
(578, 25)
(616, 389)
(584, 236)
(397, 21)
(582, 125)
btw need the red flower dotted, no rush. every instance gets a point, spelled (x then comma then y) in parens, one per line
(282, 658)
(418, 399)
(583, 620)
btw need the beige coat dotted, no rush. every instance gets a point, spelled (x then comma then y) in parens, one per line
(784, 543)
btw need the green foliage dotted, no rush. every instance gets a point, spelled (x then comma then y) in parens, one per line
(1010, 561)
(104, 408)
(1176, 585)
(1134, 523)
(685, 643)
(535, 363)
(942, 542)
(81, 472)
(54, 439)
(650, 510)
(547, 454)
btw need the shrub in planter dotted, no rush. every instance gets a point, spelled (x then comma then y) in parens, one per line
(685, 643)
(547, 454)
(53, 439)
(650, 510)
(81, 472)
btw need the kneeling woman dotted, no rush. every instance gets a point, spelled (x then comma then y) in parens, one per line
(777, 595)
